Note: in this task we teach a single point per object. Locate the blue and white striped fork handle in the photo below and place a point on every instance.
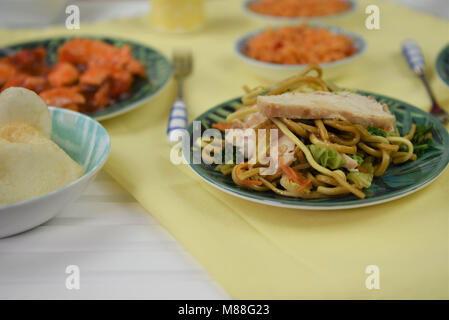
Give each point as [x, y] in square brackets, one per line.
[177, 122]
[413, 55]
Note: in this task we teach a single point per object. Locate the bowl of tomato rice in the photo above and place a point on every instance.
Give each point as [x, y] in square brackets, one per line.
[281, 12]
[277, 53]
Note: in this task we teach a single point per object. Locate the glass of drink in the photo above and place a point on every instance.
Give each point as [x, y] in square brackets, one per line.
[177, 16]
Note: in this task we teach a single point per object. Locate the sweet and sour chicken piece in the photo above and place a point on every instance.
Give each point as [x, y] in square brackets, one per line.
[62, 97]
[63, 74]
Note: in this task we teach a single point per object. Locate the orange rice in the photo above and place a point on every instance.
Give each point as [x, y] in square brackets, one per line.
[299, 45]
[299, 8]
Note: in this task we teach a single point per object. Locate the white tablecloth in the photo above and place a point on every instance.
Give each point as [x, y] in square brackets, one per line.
[121, 251]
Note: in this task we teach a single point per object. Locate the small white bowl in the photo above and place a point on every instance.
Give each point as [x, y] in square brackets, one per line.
[85, 141]
[277, 71]
[279, 21]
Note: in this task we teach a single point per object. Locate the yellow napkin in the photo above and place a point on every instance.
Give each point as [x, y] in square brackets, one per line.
[256, 251]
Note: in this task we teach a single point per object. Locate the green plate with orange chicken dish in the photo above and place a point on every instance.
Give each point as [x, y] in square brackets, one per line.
[305, 143]
[98, 76]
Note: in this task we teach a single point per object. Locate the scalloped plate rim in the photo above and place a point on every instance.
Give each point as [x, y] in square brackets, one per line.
[317, 207]
[357, 203]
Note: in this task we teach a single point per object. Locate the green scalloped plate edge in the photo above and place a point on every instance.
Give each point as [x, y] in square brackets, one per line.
[158, 68]
[337, 203]
[442, 65]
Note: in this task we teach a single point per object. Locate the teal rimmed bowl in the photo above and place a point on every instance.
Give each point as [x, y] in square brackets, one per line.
[85, 141]
[277, 71]
[280, 20]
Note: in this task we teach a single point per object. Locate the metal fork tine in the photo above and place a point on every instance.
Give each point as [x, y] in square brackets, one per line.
[182, 63]
[182, 67]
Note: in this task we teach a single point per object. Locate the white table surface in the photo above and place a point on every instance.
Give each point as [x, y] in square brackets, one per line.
[121, 250]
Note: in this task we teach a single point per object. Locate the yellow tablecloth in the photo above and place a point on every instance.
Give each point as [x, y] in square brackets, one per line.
[255, 251]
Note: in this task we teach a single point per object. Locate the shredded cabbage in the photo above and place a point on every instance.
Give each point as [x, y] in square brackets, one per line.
[367, 164]
[357, 157]
[327, 157]
[224, 168]
[360, 179]
[376, 131]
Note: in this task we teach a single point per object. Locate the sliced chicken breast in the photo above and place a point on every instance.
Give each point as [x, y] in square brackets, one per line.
[348, 106]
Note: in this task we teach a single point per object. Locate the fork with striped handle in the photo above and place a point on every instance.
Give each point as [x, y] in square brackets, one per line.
[415, 59]
[177, 123]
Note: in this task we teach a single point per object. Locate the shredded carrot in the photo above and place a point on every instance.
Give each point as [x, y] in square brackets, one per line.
[247, 181]
[362, 169]
[301, 188]
[299, 8]
[299, 45]
[295, 176]
[300, 155]
[221, 126]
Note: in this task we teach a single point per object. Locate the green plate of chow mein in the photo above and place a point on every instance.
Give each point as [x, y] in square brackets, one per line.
[335, 148]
